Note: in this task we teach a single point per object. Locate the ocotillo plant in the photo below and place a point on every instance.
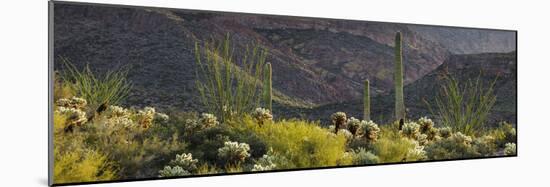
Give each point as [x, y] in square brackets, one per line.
[398, 79]
[268, 93]
[366, 102]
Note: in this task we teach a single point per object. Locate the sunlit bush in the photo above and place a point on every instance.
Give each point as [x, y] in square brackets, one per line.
[185, 161]
[456, 146]
[266, 162]
[485, 145]
[503, 134]
[175, 171]
[445, 132]
[339, 120]
[79, 165]
[234, 152]
[393, 147]
[510, 149]
[299, 144]
[411, 130]
[262, 115]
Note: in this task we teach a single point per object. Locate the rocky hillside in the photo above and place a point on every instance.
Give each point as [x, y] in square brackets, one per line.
[487, 66]
[315, 61]
[469, 41]
[319, 64]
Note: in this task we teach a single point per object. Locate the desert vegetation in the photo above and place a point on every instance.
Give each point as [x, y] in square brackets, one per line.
[97, 138]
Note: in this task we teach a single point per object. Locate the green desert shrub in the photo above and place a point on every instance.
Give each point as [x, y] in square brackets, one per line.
[74, 161]
[124, 134]
[229, 87]
[503, 134]
[455, 146]
[302, 144]
[464, 106]
[392, 147]
[110, 88]
[363, 157]
[79, 165]
[61, 89]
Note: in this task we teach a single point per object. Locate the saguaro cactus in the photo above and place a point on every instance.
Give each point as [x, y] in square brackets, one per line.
[366, 102]
[268, 93]
[398, 79]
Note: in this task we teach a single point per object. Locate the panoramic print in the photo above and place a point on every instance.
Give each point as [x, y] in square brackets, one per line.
[146, 93]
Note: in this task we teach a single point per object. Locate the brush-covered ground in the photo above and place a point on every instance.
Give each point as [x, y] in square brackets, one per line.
[110, 142]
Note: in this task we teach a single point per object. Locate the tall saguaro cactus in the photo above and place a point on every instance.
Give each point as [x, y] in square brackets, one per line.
[398, 79]
[366, 102]
[268, 93]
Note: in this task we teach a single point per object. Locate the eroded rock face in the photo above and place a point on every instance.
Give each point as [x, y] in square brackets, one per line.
[469, 41]
[314, 61]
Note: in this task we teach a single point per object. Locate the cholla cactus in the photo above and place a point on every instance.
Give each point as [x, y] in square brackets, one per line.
[425, 124]
[173, 172]
[265, 163]
[371, 130]
[510, 149]
[74, 102]
[161, 117]
[262, 115]
[234, 151]
[485, 145]
[116, 111]
[346, 134]
[338, 120]
[75, 116]
[354, 126]
[185, 161]
[461, 138]
[120, 121]
[417, 152]
[207, 120]
[445, 132]
[145, 117]
[411, 130]
[422, 139]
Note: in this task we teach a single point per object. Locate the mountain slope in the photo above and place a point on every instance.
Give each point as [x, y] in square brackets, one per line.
[315, 61]
[491, 66]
